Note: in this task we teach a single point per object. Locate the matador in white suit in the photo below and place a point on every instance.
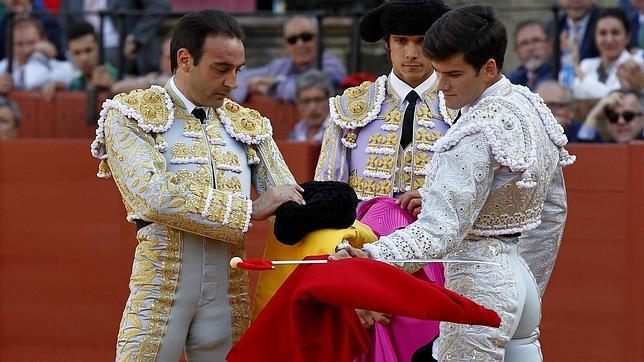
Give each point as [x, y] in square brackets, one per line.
[495, 179]
[184, 158]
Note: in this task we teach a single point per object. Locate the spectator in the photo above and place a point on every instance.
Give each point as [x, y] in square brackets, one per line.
[313, 90]
[620, 114]
[533, 47]
[577, 26]
[25, 9]
[561, 102]
[9, 118]
[277, 79]
[615, 68]
[83, 49]
[145, 81]
[140, 45]
[32, 66]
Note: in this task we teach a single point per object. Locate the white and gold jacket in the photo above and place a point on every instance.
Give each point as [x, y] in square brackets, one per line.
[187, 177]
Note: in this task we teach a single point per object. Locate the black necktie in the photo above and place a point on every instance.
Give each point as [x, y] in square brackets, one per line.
[200, 113]
[408, 119]
[458, 115]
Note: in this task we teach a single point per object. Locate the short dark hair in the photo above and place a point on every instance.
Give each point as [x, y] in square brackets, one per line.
[472, 30]
[530, 22]
[79, 30]
[192, 30]
[618, 14]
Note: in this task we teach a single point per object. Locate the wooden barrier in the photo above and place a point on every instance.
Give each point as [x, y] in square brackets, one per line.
[66, 115]
[66, 253]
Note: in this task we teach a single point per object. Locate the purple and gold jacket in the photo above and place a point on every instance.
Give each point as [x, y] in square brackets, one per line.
[361, 145]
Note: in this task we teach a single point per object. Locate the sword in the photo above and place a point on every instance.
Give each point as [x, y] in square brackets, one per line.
[261, 264]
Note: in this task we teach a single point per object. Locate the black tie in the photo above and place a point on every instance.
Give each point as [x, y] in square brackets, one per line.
[408, 119]
[458, 115]
[200, 113]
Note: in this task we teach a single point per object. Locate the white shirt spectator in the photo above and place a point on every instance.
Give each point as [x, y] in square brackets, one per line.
[39, 71]
[590, 87]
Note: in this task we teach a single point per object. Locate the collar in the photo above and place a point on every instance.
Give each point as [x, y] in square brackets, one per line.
[186, 102]
[401, 88]
[582, 23]
[488, 92]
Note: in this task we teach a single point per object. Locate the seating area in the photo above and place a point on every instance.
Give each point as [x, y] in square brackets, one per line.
[66, 116]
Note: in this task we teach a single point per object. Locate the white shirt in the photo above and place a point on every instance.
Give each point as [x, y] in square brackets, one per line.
[402, 89]
[487, 92]
[590, 87]
[110, 34]
[38, 71]
[186, 102]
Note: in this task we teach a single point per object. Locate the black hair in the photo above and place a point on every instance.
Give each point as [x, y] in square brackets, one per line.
[472, 30]
[618, 14]
[192, 30]
[79, 30]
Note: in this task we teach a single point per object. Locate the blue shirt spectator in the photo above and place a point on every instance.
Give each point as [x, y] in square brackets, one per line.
[277, 79]
[533, 48]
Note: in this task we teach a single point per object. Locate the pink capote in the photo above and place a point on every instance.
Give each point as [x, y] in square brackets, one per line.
[397, 341]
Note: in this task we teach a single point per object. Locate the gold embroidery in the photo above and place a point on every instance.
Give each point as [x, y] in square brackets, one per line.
[149, 103]
[422, 158]
[358, 107]
[238, 293]
[228, 158]
[423, 112]
[181, 151]
[192, 126]
[419, 182]
[424, 137]
[393, 117]
[246, 121]
[154, 281]
[232, 184]
[369, 188]
[214, 135]
[380, 164]
[351, 136]
[377, 140]
[200, 150]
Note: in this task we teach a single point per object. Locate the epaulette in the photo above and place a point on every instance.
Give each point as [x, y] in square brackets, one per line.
[151, 108]
[246, 125]
[358, 106]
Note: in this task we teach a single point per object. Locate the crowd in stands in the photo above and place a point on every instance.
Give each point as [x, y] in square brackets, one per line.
[596, 95]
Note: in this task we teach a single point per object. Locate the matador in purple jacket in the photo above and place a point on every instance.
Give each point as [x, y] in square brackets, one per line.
[381, 133]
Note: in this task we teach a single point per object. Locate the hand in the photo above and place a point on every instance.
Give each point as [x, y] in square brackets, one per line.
[597, 115]
[411, 201]
[261, 85]
[630, 75]
[49, 90]
[46, 48]
[369, 318]
[131, 48]
[101, 78]
[6, 83]
[266, 204]
[349, 252]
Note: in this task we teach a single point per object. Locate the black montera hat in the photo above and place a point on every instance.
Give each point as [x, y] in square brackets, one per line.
[412, 17]
[329, 205]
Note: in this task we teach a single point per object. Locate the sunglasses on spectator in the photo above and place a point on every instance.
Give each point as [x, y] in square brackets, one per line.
[306, 37]
[613, 117]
